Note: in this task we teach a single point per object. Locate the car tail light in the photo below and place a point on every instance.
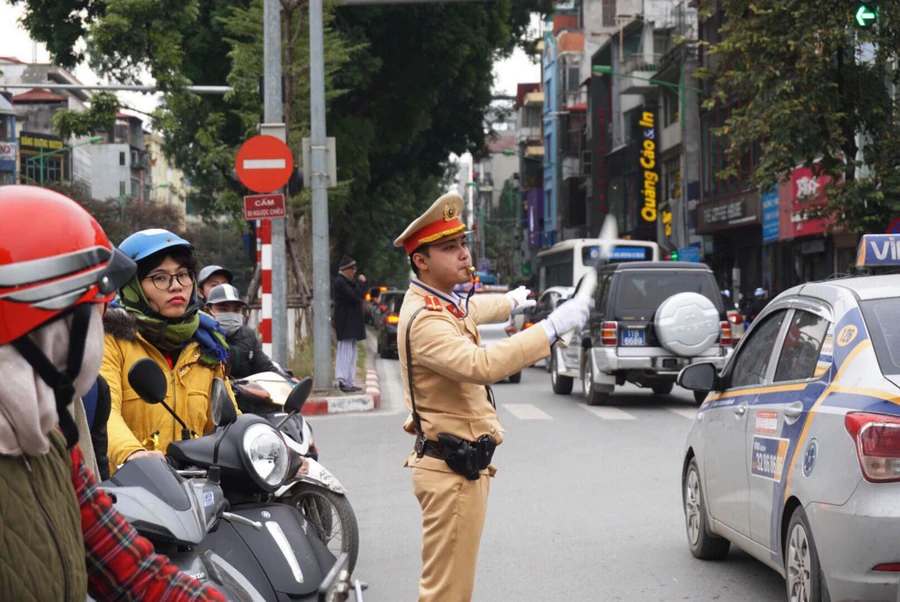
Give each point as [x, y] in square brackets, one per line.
[877, 438]
[368, 296]
[510, 330]
[736, 318]
[608, 332]
[382, 288]
[527, 325]
[392, 319]
[888, 567]
[382, 307]
[725, 330]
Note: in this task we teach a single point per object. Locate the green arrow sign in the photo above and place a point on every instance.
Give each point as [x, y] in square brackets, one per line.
[863, 15]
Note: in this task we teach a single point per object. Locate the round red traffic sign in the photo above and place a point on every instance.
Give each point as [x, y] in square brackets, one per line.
[264, 164]
[894, 226]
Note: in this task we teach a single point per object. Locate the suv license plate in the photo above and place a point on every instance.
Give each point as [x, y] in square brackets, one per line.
[633, 338]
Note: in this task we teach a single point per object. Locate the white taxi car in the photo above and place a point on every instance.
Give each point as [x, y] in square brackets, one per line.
[795, 454]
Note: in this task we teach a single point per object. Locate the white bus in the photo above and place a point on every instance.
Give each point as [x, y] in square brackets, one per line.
[564, 263]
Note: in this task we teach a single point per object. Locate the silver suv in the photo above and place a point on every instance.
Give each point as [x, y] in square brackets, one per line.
[650, 320]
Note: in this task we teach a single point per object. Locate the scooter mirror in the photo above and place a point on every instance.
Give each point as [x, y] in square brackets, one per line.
[221, 407]
[148, 381]
[298, 395]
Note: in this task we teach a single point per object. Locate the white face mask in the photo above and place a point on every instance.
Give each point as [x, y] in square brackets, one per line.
[230, 322]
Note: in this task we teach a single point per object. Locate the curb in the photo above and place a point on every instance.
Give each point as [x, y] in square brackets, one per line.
[364, 402]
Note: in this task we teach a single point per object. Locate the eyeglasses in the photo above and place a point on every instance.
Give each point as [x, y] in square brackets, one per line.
[164, 281]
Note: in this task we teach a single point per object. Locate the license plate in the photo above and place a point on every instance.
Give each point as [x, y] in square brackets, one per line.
[633, 338]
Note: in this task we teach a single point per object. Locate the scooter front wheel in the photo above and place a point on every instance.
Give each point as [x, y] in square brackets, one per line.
[332, 517]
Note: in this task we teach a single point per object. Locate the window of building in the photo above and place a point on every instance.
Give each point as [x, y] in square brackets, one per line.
[669, 106]
[122, 158]
[609, 13]
[573, 85]
[531, 118]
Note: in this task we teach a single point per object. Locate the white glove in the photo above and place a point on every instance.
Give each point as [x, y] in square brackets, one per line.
[518, 299]
[571, 315]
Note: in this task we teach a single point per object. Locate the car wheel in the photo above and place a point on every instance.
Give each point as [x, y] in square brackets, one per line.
[803, 575]
[700, 397]
[562, 385]
[663, 388]
[515, 378]
[384, 352]
[592, 397]
[703, 545]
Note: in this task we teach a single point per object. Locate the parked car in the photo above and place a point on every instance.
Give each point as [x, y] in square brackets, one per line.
[649, 320]
[385, 318]
[795, 455]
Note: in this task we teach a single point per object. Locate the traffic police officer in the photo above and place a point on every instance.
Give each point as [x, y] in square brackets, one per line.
[446, 377]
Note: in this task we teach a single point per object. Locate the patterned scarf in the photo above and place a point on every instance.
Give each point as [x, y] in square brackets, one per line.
[170, 334]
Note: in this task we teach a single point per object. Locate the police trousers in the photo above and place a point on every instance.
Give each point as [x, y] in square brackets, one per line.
[453, 511]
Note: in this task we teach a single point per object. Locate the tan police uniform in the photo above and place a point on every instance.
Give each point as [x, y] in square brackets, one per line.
[450, 371]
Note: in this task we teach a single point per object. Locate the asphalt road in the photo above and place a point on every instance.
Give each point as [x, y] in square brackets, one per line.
[586, 504]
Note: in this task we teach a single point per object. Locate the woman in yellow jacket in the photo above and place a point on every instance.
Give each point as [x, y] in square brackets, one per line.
[157, 315]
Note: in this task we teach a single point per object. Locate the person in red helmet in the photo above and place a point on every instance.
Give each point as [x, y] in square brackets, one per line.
[57, 272]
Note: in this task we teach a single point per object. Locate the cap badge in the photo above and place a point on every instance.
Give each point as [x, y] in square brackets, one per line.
[449, 213]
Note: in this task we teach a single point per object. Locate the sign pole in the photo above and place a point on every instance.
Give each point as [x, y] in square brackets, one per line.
[319, 184]
[265, 323]
[274, 113]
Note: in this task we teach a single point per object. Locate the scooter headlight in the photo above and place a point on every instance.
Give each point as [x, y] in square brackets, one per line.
[266, 454]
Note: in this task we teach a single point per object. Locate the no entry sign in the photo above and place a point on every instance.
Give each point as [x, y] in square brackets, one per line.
[263, 206]
[264, 164]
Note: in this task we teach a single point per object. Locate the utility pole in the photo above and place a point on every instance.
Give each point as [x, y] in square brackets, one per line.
[274, 114]
[319, 185]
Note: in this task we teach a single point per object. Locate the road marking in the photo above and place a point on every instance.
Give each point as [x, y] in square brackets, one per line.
[607, 413]
[689, 413]
[526, 411]
[264, 163]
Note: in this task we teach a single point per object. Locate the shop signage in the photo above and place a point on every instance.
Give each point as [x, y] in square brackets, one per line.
[7, 151]
[38, 141]
[647, 160]
[804, 192]
[770, 207]
[737, 211]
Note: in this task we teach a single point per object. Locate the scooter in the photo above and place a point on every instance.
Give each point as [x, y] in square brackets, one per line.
[248, 459]
[317, 494]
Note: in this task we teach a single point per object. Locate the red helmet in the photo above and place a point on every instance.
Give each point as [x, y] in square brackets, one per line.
[53, 257]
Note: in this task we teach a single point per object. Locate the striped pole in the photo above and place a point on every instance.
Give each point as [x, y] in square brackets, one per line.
[259, 255]
[265, 325]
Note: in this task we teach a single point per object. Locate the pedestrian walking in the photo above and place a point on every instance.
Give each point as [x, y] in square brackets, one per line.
[447, 377]
[349, 293]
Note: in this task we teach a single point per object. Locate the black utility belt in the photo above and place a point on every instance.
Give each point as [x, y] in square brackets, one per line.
[466, 458]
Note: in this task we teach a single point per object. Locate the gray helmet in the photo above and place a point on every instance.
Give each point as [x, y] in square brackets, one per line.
[209, 270]
[224, 293]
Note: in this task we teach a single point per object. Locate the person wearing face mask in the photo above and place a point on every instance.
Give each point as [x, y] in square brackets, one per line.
[245, 354]
[60, 535]
[158, 316]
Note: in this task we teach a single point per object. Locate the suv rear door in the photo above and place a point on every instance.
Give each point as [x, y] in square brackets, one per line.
[638, 293]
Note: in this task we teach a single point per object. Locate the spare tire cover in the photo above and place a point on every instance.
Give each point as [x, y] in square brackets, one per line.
[687, 324]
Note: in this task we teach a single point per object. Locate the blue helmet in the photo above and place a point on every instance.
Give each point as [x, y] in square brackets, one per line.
[144, 243]
[759, 293]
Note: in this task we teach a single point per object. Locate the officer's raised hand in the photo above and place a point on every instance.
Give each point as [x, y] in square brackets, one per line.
[570, 315]
[519, 300]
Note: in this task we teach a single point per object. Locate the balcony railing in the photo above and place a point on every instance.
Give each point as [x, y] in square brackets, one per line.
[642, 62]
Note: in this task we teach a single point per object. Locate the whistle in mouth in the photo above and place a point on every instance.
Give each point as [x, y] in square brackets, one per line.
[470, 269]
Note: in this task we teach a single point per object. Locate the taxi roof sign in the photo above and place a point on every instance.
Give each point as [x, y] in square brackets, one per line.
[878, 250]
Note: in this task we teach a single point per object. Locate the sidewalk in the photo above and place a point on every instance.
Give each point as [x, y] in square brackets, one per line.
[337, 402]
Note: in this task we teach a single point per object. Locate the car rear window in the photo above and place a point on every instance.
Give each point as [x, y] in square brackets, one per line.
[393, 302]
[882, 318]
[640, 293]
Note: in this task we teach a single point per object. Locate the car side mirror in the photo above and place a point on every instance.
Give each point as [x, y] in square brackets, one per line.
[148, 381]
[221, 407]
[699, 377]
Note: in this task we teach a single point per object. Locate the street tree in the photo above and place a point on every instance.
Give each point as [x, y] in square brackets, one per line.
[814, 84]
